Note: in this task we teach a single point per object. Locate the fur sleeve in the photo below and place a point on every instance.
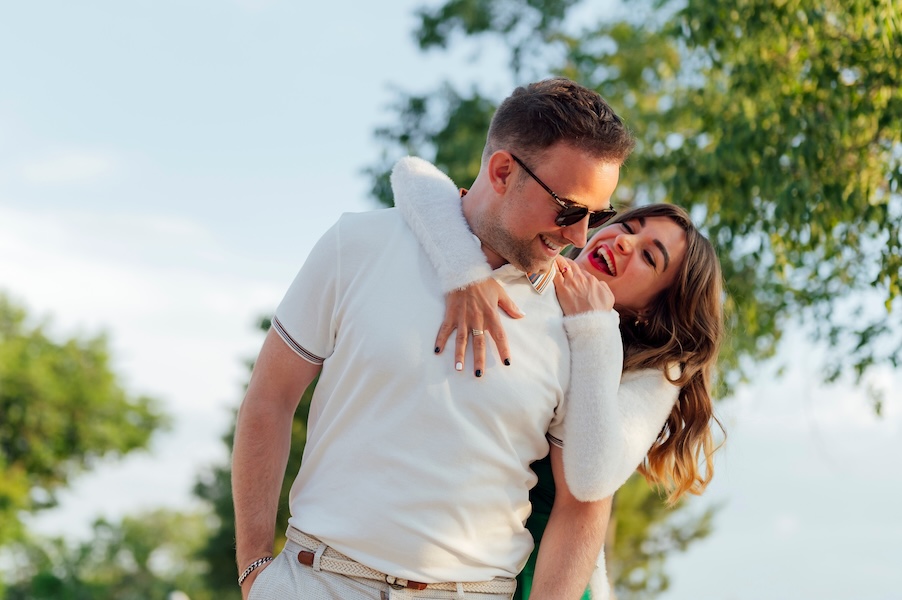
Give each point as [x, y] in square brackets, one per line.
[611, 422]
[599, 587]
[430, 204]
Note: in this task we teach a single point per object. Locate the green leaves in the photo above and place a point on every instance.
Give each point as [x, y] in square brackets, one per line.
[526, 24]
[804, 133]
[447, 126]
[61, 410]
[642, 533]
[149, 555]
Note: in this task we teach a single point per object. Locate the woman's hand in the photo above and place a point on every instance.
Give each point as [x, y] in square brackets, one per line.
[475, 308]
[578, 292]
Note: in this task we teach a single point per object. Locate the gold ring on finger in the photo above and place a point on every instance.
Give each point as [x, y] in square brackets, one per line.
[477, 331]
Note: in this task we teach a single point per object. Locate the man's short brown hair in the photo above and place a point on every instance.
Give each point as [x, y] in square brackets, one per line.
[541, 114]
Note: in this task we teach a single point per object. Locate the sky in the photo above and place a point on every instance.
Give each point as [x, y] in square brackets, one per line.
[166, 166]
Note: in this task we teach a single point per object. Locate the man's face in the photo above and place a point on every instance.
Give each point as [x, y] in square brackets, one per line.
[520, 227]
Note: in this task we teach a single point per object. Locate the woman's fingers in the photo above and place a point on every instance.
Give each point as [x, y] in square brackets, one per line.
[607, 295]
[460, 348]
[472, 313]
[478, 351]
[500, 338]
[578, 292]
[492, 327]
[444, 332]
[455, 312]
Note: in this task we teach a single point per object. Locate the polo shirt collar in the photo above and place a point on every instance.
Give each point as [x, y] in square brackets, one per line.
[540, 282]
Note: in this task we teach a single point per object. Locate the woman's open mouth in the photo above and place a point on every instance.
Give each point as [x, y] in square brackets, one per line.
[603, 260]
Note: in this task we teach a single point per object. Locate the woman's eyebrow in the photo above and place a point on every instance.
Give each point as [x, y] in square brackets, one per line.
[657, 243]
[663, 250]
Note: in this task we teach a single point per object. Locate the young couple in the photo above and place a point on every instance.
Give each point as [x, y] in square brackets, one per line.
[416, 477]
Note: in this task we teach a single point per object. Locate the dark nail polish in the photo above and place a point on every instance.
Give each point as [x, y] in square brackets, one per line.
[507, 362]
[437, 350]
[478, 372]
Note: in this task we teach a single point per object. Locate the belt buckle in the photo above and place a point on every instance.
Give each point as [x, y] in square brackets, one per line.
[394, 583]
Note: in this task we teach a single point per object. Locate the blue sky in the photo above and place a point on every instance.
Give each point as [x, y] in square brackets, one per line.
[166, 166]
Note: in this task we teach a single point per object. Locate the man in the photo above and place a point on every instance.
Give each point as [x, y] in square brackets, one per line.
[415, 478]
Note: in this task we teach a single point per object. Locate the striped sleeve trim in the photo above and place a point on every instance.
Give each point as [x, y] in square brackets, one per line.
[300, 350]
[553, 440]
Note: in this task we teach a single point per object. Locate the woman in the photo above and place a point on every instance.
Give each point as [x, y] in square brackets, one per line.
[662, 276]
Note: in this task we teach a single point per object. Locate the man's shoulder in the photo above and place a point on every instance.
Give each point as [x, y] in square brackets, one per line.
[368, 217]
[371, 231]
[368, 224]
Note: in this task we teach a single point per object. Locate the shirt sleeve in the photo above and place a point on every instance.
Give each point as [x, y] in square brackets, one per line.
[611, 420]
[556, 429]
[305, 319]
[439, 225]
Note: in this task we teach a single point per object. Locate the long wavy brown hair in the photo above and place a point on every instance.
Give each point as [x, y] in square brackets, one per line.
[682, 326]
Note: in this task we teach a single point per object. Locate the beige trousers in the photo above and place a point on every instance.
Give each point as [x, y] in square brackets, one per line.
[285, 578]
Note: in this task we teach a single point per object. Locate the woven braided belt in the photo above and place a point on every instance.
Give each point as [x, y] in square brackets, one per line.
[335, 562]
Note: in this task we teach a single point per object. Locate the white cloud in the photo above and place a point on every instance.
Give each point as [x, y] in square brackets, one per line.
[786, 526]
[800, 403]
[68, 167]
[162, 295]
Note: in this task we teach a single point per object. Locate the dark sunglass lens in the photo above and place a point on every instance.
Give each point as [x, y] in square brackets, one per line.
[571, 215]
[601, 217]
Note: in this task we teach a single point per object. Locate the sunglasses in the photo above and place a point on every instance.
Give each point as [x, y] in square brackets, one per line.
[571, 212]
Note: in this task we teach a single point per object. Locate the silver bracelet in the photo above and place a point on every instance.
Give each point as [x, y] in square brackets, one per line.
[253, 567]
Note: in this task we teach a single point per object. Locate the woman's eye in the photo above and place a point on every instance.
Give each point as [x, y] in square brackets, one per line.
[626, 226]
[650, 259]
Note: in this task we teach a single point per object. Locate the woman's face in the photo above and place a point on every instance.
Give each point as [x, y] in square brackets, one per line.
[637, 258]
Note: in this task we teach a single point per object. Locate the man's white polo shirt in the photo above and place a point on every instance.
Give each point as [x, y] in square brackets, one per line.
[411, 467]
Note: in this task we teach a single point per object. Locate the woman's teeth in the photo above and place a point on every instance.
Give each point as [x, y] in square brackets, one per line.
[609, 263]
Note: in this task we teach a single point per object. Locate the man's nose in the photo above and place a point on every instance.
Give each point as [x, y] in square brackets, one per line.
[578, 233]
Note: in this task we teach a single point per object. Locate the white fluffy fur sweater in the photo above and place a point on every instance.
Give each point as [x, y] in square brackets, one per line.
[612, 417]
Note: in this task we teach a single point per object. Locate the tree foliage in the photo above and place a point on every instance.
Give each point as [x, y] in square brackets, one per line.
[62, 409]
[642, 534]
[778, 124]
[150, 556]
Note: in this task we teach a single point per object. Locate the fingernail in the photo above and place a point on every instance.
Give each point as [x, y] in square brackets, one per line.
[437, 350]
[478, 372]
[459, 366]
[507, 362]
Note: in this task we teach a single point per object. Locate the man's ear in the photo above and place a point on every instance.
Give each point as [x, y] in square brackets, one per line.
[501, 171]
